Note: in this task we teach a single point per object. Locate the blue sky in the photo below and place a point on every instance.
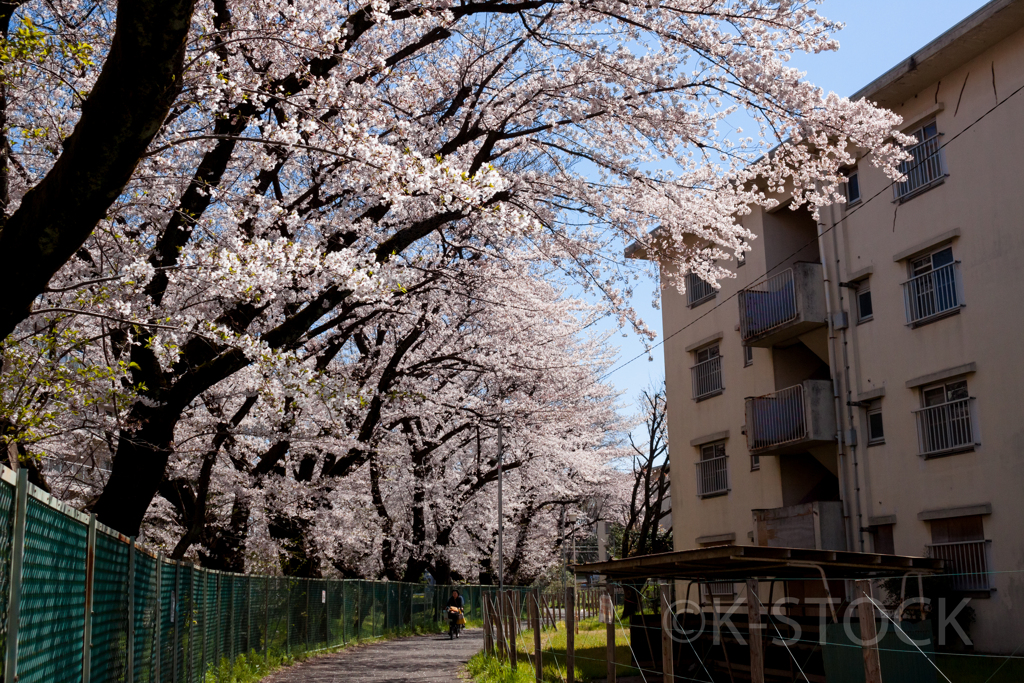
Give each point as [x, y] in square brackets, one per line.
[878, 35]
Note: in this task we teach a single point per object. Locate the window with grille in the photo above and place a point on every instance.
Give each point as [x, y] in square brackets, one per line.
[698, 290]
[707, 372]
[926, 166]
[933, 289]
[712, 470]
[961, 543]
[945, 422]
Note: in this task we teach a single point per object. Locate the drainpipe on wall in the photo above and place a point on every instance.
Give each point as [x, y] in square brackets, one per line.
[849, 394]
[840, 440]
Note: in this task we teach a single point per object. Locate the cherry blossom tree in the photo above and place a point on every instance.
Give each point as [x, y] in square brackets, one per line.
[206, 201]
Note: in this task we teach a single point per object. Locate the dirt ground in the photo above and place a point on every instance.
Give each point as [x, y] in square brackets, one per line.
[406, 660]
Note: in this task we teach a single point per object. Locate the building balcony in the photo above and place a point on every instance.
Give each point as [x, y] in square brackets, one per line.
[785, 306]
[792, 419]
[817, 525]
[713, 477]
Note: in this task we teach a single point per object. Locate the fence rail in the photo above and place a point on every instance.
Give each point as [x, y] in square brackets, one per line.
[80, 602]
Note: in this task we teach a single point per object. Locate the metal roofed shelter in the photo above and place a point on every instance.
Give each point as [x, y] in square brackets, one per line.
[740, 562]
[760, 660]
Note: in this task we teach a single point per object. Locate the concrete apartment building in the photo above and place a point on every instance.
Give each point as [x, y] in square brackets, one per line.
[865, 393]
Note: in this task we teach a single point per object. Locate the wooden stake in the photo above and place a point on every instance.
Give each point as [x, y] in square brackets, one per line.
[488, 634]
[754, 626]
[513, 618]
[570, 640]
[667, 666]
[868, 634]
[611, 638]
[499, 612]
[535, 625]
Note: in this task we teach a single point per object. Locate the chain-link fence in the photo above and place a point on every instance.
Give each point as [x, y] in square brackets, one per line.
[80, 602]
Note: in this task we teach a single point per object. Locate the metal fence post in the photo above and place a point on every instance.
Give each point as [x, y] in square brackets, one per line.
[308, 613]
[288, 619]
[130, 665]
[17, 562]
[266, 617]
[90, 578]
[159, 615]
[220, 626]
[175, 602]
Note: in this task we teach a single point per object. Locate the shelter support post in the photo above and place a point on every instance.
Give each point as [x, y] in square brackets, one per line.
[868, 634]
[754, 626]
[667, 665]
[570, 639]
[535, 625]
[610, 650]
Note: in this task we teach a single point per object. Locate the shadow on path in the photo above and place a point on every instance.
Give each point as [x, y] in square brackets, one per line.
[407, 660]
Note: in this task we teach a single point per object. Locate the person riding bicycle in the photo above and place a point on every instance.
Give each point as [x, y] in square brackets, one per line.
[456, 600]
[454, 607]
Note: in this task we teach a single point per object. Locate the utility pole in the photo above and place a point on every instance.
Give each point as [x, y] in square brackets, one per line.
[501, 520]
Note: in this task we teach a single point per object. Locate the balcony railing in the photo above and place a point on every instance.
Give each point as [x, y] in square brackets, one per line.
[946, 427]
[713, 476]
[776, 419]
[933, 293]
[923, 169]
[768, 305]
[967, 562]
[707, 378]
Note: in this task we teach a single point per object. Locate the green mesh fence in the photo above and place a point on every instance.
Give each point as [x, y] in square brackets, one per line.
[160, 621]
[6, 530]
[110, 606]
[51, 629]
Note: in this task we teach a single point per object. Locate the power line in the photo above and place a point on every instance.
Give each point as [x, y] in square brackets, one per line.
[761, 277]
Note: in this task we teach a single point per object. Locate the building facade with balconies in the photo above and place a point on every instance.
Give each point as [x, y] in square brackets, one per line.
[855, 386]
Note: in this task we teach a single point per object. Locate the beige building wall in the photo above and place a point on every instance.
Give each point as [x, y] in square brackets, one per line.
[888, 488]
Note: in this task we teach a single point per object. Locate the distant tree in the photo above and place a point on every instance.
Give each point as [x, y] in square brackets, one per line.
[641, 534]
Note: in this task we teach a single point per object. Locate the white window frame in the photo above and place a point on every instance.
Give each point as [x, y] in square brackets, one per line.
[864, 287]
[874, 409]
[852, 173]
[748, 356]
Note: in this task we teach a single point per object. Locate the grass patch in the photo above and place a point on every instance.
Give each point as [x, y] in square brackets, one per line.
[591, 656]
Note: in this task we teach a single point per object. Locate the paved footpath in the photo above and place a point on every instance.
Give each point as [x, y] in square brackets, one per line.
[426, 659]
